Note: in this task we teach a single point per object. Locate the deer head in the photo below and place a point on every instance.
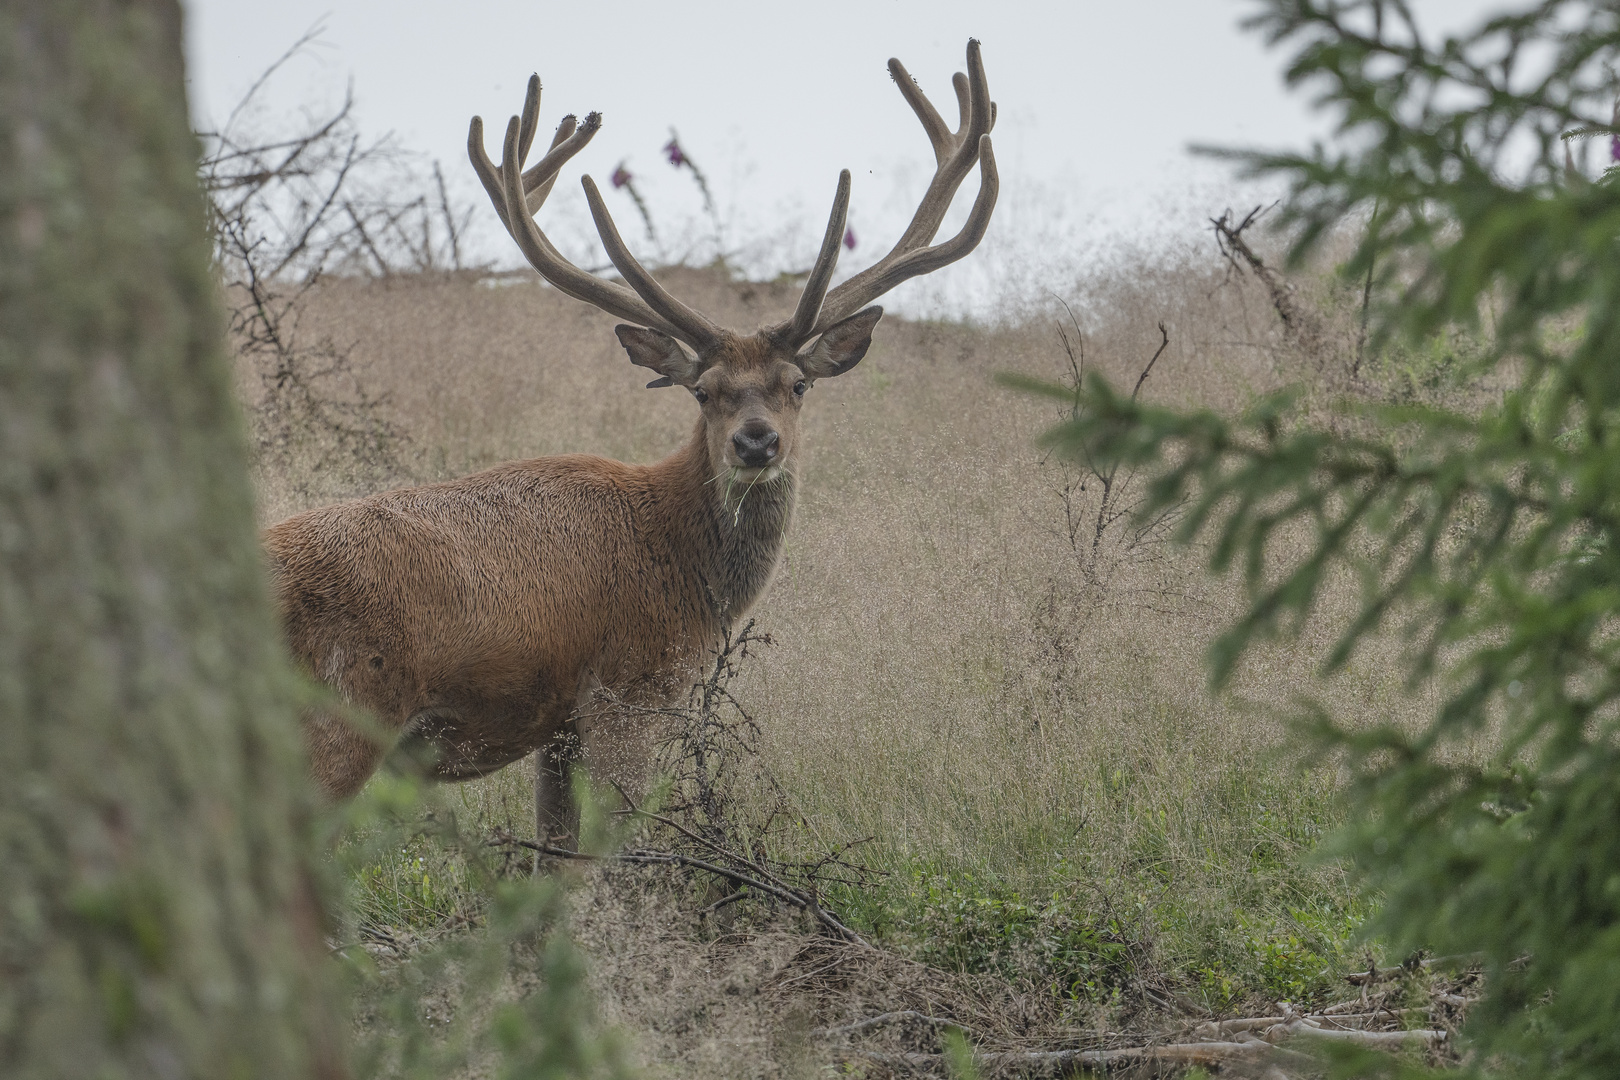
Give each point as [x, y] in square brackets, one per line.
[749, 387]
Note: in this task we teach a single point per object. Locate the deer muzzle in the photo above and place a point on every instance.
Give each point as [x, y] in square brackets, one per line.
[756, 444]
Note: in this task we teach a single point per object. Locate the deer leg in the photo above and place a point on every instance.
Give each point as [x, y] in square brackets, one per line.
[341, 759]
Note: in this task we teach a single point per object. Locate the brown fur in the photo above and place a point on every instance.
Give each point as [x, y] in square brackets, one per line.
[479, 614]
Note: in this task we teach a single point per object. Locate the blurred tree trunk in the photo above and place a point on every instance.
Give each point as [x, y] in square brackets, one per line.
[157, 910]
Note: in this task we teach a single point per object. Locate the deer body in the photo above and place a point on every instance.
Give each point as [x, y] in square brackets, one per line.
[476, 613]
[479, 616]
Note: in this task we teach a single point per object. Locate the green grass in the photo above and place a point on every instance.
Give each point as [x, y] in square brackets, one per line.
[1223, 903]
[1223, 917]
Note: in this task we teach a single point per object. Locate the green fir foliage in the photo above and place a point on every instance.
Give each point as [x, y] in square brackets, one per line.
[1486, 533]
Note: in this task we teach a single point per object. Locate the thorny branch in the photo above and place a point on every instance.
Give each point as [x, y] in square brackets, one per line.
[709, 751]
[287, 210]
[322, 198]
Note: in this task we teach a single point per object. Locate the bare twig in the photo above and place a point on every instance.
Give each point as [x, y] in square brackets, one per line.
[1374, 974]
[1112, 507]
[674, 858]
[324, 198]
[287, 211]
[729, 898]
[1164, 343]
[709, 751]
[1302, 326]
[719, 850]
[454, 226]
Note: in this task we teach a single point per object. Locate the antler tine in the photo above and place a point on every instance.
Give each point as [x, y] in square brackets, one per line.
[570, 139]
[815, 286]
[938, 134]
[531, 117]
[964, 100]
[955, 154]
[695, 330]
[488, 174]
[562, 274]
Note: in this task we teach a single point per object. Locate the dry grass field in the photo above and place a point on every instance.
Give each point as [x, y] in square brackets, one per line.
[1074, 834]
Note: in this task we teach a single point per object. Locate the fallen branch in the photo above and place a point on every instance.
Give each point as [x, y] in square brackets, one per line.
[670, 858]
[1344, 1006]
[887, 1018]
[756, 869]
[1382, 1039]
[1257, 1041]
[1193, 1054]
[1219, 1028]
[1064, 1062]
[1386, 1014]
[1326, 1019]
[1377, 975]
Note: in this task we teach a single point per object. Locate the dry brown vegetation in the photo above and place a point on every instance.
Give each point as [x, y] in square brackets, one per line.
[1078, 838]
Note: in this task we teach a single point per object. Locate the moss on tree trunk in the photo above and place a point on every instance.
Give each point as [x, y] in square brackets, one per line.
[157, 914]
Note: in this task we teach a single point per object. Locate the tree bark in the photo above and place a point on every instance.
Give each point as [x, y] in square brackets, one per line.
[158, 916]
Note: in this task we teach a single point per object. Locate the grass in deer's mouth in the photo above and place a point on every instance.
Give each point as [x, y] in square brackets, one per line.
[738, 479]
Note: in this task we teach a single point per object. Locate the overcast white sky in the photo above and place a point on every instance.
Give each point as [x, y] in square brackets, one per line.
[1098, 101]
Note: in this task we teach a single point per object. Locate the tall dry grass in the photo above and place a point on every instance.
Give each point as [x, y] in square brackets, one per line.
[1026, 737]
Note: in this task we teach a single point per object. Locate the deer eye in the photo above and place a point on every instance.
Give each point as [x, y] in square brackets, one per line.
[701, 394]
[799, 388]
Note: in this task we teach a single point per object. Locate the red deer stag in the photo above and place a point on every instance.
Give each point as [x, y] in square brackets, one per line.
[476, 616]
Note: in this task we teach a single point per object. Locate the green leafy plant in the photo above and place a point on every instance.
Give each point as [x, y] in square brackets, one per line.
[1486, 533]
[971, 926]
[471, 963]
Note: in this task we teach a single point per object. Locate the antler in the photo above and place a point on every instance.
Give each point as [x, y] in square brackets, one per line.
[954, 155]
[802, 326]
[518, 195]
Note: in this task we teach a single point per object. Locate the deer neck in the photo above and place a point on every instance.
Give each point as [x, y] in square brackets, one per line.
[734, 530]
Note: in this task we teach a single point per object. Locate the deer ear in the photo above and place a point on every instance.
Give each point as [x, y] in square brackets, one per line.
[662, 353]
[842, 346]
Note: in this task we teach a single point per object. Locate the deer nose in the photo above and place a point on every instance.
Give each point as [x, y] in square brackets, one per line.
[756, 444]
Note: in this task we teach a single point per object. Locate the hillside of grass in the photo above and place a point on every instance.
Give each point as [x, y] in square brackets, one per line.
[983, 673]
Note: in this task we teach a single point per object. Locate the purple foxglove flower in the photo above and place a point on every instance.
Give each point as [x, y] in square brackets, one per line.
[677, 157]
[621, 175]
[849, 238]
